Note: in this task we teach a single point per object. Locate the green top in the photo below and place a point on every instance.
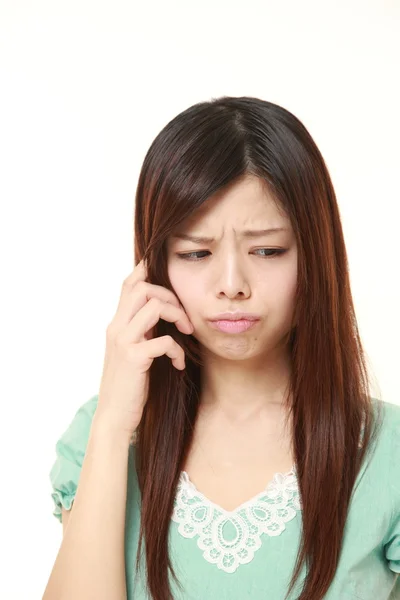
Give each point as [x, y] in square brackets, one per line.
[252, 555]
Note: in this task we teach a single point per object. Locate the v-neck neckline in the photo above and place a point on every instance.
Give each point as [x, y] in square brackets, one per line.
[278, 478]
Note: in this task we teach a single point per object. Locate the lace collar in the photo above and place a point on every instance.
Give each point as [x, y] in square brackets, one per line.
[265, 513]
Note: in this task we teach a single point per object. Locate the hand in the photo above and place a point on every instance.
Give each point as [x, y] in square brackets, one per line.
[131, 349]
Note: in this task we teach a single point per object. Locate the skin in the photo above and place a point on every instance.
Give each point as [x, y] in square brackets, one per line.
[245, 374]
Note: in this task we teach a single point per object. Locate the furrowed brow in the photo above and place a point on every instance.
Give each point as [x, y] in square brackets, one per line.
[246, 234]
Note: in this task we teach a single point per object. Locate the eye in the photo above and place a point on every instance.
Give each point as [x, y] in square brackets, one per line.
[188, 255]
[274, 252]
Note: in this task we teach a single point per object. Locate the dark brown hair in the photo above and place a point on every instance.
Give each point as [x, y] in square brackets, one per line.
[206, 147]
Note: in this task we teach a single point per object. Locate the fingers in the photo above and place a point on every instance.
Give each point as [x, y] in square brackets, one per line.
[150, 302]
[152, 311]
[163, 345]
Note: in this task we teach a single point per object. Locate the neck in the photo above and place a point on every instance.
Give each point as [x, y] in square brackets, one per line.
[244, 390]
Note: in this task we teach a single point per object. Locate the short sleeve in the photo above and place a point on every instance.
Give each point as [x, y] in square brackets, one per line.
[392, 539]
[392, 547]
[70, 451]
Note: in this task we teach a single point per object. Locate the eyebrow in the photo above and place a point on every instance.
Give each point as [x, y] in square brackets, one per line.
[249, 233]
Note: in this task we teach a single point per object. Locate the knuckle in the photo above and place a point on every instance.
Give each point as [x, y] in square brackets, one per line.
[141, 286]
[111, 331]
[154, 302]
[131, 354]
[120, 339]
[127, 283]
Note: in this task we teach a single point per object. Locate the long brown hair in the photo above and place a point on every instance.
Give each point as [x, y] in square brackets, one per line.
[206, 147]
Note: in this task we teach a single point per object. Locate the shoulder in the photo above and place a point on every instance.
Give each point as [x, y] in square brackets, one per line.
[76, 434]
[87, 409]
[392, 423]
[392, 411]
[384, 443]
[390, 417]
[386, 429]
[388, 455]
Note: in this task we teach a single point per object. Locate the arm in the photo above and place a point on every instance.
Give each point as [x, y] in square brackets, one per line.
[65, 518]
[90, 564]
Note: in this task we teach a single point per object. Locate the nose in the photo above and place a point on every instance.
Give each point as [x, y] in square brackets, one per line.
[231, 279]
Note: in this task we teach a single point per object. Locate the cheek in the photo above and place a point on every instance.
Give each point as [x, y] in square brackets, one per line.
[288, 289]
[287, 279]
[191, 295]
[186, 289]
[287, 298]
[281, 290]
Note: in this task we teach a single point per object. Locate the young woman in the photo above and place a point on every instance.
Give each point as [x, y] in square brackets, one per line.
[233, 449]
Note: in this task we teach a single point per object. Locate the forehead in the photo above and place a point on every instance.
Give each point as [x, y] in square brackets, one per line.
[240, 206]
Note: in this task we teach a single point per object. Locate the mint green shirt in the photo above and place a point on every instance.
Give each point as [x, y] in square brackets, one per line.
[255, 557]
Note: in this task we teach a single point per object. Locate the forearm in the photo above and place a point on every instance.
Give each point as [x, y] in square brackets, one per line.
[90, 564]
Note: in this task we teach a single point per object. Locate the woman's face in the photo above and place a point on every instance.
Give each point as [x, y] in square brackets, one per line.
[236, 272]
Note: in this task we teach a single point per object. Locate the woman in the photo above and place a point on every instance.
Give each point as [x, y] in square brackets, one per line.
[233, 449]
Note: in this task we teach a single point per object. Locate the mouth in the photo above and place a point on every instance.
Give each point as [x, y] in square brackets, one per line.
[234, 326]
[235, 316]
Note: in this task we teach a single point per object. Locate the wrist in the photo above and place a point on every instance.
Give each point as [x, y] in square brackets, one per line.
[105, 431]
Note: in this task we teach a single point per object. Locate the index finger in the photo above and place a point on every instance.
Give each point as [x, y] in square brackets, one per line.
[139, 273]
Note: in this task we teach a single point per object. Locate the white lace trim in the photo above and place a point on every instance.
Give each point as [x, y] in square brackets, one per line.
[265, 513]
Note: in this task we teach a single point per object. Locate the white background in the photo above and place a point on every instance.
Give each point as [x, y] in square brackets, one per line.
[85, 88]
